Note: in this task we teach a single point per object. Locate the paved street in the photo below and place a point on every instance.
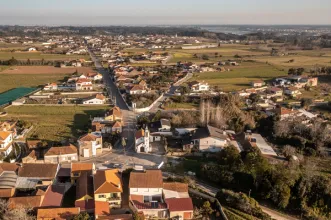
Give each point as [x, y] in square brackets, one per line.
[129, 118]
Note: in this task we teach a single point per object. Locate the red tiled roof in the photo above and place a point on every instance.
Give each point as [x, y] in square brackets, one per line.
[71, 149]
[179, 204]
[81, 167]
[88, 137]
[53, 196]
[140, 133]
[175, 186]
[101, 208]
[147, 179]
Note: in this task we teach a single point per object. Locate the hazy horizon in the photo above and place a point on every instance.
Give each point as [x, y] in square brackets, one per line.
[171, 12]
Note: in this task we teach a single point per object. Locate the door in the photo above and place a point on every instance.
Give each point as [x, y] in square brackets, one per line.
[142, 149]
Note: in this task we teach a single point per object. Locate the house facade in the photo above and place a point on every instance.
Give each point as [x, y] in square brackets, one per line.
[98, 99]
[146, 193]
[199, 87]
[108, 187]
[6, 142]
[114, 114]
[210, 139]
[61, 154]
[90, 144]
[84, 84]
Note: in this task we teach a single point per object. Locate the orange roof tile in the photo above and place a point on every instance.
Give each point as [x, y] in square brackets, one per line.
[89, 137]
[71, 149]
[106, 181]
[76, 167]
[25, 202]
[4, 135]
[140, 133]
[176, 186]
[101, 208]
[147, 179]
[57, 213]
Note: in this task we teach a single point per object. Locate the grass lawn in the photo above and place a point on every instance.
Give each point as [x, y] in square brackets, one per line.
[11, 81]
[39, 56]
[55, 123]
[240, 76]
[181, 106]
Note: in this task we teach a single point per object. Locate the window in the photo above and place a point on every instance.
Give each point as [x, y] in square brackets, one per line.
[101, 196]
[135, 190]
[146, 190]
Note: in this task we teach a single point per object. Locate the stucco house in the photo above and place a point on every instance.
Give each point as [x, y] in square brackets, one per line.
[98, 99]
[84, 84]
[51, 87]
[210, 139]
[108, 187]
[90, 144]
[257, 83]
[146, 193]
[196, 86]
[114, 114]
[6, 142]
[61, 154]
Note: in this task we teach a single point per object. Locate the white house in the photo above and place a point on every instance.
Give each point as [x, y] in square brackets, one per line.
[292, 91]
[256, 140]
[90, 144]
[146, 188]
[84, 84]
[257, 83]
[142, 141]
[137, 89]
[6, 142]
[199, 87]
[98, 99]
[51, 87]
[210, 139]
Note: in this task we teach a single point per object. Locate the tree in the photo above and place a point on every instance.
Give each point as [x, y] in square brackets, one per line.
[16, 213]
[137, 216]
[205, 57]
[306, 102]
[82, 216]
[292, 71]
[206, 209]
[254, 98]
[288, 151]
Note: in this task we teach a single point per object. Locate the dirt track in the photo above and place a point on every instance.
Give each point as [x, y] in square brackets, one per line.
[45, 70]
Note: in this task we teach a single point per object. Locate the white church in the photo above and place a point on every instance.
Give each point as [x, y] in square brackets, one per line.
[142, 141]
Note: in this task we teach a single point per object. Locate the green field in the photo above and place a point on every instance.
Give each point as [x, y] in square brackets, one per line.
[181, 106]
[11, 81]
[55, 123]
[240, 76]
[39, 56]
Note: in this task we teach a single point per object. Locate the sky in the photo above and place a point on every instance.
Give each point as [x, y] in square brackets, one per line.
[165, 12]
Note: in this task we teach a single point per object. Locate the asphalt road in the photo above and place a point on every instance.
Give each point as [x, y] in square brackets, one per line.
[129, 117]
